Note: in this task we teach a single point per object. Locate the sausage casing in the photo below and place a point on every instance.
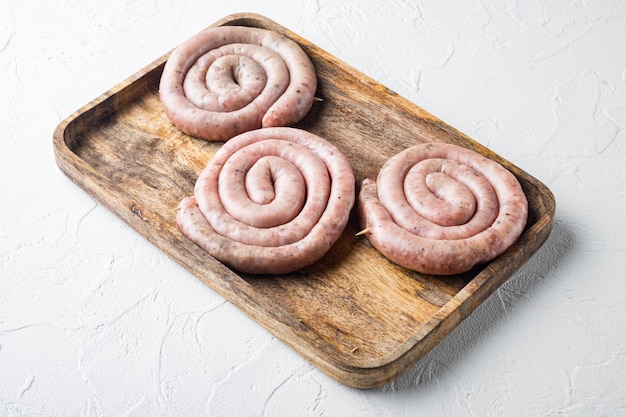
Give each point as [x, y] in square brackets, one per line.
[230, 79]
[441, 209]
[240, 232]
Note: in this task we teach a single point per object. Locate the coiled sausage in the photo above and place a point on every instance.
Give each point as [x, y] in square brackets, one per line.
[441, 209]
[271, 200]
[230, 79]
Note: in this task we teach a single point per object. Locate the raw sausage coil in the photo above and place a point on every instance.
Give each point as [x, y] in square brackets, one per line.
[230, 79]
[271, 200]
[441, 209]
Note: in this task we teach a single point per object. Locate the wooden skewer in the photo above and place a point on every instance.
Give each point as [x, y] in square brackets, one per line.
[364, 231]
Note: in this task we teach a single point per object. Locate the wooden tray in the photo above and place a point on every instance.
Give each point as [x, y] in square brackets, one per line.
[355, 315]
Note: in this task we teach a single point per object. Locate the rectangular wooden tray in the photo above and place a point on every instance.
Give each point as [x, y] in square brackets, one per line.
[356, 316]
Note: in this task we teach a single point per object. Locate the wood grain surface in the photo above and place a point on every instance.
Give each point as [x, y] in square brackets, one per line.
[355, 315]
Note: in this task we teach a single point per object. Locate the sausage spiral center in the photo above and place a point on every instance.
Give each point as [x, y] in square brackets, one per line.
[227, 80]
[271, 200]
[441, 209]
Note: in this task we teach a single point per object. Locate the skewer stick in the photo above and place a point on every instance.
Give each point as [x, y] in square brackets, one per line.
[364, 231]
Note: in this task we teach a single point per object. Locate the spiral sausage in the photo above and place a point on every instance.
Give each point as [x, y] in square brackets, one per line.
[230, 79]
[441, 209]
[271, 200]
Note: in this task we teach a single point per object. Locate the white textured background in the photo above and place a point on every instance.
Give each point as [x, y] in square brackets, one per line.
[95, 321]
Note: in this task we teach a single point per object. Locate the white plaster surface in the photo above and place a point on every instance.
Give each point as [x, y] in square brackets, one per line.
[96, 321]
